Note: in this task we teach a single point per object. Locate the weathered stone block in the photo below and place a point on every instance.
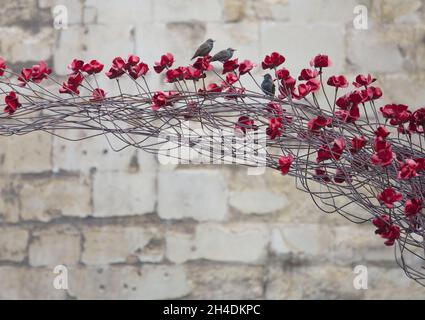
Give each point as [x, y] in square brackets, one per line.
[55, 246]
[13, 244]
[301, 46]
[245, 243]
[124, 282]
[115, 244]
[257, 201]
[223, 281]
[44, 198]
[197, 194]
[317, 282]
[123, 194]
[25, 154]
[184, 10]
[301, 240]
[97, 153]
[22, 283]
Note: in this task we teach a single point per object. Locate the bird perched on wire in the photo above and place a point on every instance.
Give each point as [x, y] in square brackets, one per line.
[223, 55]
[204, 49]
[268, 86]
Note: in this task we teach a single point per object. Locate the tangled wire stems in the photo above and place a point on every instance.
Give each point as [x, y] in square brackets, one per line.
[228, 123]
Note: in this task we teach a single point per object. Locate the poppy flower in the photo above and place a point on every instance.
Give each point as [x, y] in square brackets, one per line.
[421, 164]
[362, 80]
[303, 91]
[212, 87]
[356, 97]
[338, 81]
[203, 63]
[233, 93]
[371, 93]
[138, 70]
[36, 73]
[76, 65]
[350, 99]
[417, 121]
[177, 74]
[412, 207]
[40, 71]
[132, 60]
[285, 163]
[273, 60]
[98, 95]
[166, 61]
[117, 69]
[357, 143]
[313, 85]
[245, 67]
[173, 75]
[321, 61]
[274, 108]
[275, 128]
[388, 196]
[287, 88]
[338, 148]
[193, 74]
[317, 123]
[245, 123]
[407, 169]
[159, 100]
[350, 115]
[392, 234]
[419, 117]
[341, 176]
[282, 74]
[386, 229]
[382, 132]
[12, 103]
[397, 113]
[381, 223]
[383, 155]
[230, 65]
[321, 174]
[389, 110]
[71, 86]
[25, 76]
[307, 74]
[2, 66]
[344, 102]
[191, 110]
[92, 67]
[326, 152]
[231, 78]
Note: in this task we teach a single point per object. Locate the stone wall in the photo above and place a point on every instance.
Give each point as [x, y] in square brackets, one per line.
[127, 227]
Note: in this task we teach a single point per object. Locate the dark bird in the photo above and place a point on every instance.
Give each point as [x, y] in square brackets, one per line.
[204, 49]
[223, 55]
[268, 86]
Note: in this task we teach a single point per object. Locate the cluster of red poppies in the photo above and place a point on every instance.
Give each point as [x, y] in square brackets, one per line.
[232, 68]
[346, 109]
[407, 122]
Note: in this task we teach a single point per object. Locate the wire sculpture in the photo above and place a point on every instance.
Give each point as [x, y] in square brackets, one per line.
[354, 159]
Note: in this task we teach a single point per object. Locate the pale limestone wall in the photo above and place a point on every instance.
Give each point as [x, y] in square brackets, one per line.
[127, 227]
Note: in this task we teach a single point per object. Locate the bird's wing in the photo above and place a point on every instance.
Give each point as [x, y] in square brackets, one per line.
[219, 55]
[202, 48]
